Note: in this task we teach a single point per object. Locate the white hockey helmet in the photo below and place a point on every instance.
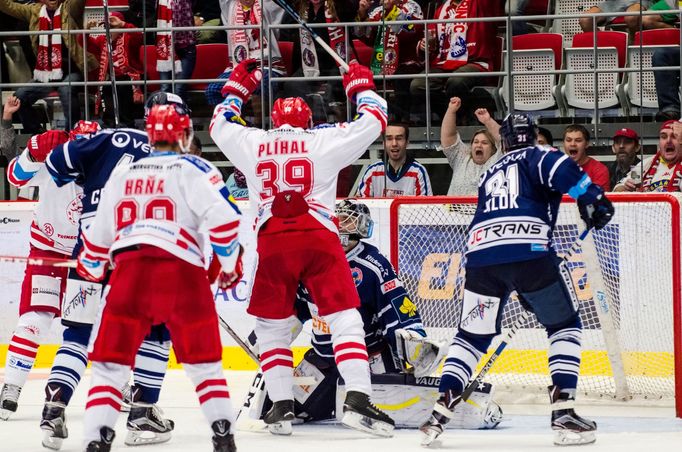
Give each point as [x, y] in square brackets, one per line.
[355, 220]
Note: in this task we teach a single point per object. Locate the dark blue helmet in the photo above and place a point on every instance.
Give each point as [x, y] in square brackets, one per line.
[517, 131]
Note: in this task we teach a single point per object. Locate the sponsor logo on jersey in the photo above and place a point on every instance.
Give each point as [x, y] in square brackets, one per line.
[356, 273]
[8, 220]
[372, 260]
[390, 285]
[74, 209]
[48, 229]
[122, 140]
[408, 307]
[215, 179]
[508, 231]
[45, 291]
[538, 247]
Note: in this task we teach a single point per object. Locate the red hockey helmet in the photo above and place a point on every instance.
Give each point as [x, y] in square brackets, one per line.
[293, 111]
[169, 124]
[84, 129]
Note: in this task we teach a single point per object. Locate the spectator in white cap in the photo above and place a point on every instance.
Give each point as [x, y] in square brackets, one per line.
[626, 147]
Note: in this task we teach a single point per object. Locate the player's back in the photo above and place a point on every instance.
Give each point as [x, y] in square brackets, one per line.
[91, 161]
[155, 201]
[518, 201]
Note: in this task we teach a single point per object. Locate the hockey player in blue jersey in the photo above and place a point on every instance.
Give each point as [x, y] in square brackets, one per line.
[510, 249]
[89, 162]
[401, 356]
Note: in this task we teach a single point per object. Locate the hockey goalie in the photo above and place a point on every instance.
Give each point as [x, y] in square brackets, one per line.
[402, 358]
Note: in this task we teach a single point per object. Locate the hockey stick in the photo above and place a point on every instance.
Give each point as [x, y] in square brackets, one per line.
[112, 73]
[520, 321]
[294, 15]
[40, 261]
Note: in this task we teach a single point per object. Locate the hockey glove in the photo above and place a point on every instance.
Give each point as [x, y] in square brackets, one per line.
[41, 145]
[596, 214]
[422, 353]
[227, 281]
[244, 80]
[91, 269]
[358, 78]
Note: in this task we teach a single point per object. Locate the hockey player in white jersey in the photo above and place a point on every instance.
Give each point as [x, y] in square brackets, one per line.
[147, 224]
[291, 172]
[522, 192]
[53, 235]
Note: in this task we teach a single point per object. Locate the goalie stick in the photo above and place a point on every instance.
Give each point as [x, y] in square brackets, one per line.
[294, 15]
[520, 321]
[51, 261]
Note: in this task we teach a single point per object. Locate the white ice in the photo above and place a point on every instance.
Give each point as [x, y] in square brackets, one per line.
[621, 429]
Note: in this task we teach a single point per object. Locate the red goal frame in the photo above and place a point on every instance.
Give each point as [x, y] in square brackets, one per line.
[616, 198]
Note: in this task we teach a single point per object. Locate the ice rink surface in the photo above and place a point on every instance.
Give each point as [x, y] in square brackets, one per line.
[621, 428]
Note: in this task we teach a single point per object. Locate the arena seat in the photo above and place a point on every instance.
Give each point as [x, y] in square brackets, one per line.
[211, 62]
[286, 49]
[569, 27]
[534, 53]
[364, 52]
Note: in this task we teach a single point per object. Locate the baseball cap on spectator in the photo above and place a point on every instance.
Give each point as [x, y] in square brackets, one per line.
[117, 14]
[627, 133]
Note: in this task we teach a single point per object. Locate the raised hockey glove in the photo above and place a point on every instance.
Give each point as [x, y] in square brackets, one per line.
[91, 269]
[358, 78]
[595, 212]
[41, 145]
[420, 352]
[244, 80]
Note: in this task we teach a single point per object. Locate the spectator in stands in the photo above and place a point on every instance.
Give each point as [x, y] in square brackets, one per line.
[395, 48]
[127, 67]
[207, 13]
[545, 137]
[59, 56]
[626, 147]
[142, 14]
[401, 175]
[663, 171]
[576, 142]
[8, 137]
[182, 57]
[615, 7]
[469, 161]
[667, 83]
[663, 20]
[458, 48]
[246, 43]
[310, 60]
[518, 8]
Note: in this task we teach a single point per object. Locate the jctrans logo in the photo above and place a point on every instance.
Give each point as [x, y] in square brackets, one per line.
[8, 220]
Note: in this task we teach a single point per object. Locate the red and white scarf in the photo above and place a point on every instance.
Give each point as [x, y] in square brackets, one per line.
[453, 36]
[164, 52]
[672, 184]
[49, 59]
[121, 59]
[241, 47]
[337, 41]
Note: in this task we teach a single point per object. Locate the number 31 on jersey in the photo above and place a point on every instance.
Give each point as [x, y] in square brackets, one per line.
[502, 189]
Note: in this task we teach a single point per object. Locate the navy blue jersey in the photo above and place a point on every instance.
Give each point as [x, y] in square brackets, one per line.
[89, 162]
[384, 304]
[518, 201]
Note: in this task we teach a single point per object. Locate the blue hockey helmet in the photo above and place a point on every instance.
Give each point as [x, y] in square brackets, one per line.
[517, 131]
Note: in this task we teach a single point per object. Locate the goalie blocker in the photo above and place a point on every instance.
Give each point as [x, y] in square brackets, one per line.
[394, 393]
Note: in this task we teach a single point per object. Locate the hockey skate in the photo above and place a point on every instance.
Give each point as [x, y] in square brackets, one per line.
[146, 424]
[127, 398]
[53, 422]
[223, 440]
[9, 398]
[104, 444]
[441, 415]
[279, 417]
[570, 429]
[360, 414]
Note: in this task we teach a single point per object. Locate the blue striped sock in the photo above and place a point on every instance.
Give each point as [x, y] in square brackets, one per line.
[68, 368]
[151, 363]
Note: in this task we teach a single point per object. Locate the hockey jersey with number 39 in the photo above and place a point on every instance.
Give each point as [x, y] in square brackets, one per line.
[518, 201]
[290, 158]
[163, 201]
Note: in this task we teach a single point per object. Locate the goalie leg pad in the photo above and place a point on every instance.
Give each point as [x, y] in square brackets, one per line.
[422, 353]
[316, 402]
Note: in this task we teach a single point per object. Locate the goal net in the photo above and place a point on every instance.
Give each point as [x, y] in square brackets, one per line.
[638, 263]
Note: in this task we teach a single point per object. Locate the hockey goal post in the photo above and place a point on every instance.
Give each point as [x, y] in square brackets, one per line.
[632, 347]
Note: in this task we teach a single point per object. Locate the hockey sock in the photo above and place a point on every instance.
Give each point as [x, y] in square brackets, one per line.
[463, 355]
[23, 346]
[151, 364]
[71, 360]
[276, 358]
[350, 351]
[104, 399]
[564, 355]
[211, 388]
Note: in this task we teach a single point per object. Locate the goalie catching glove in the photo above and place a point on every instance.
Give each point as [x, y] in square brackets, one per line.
[422, 353]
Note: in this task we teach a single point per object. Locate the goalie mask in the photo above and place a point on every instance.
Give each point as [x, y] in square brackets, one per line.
[355, 221]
